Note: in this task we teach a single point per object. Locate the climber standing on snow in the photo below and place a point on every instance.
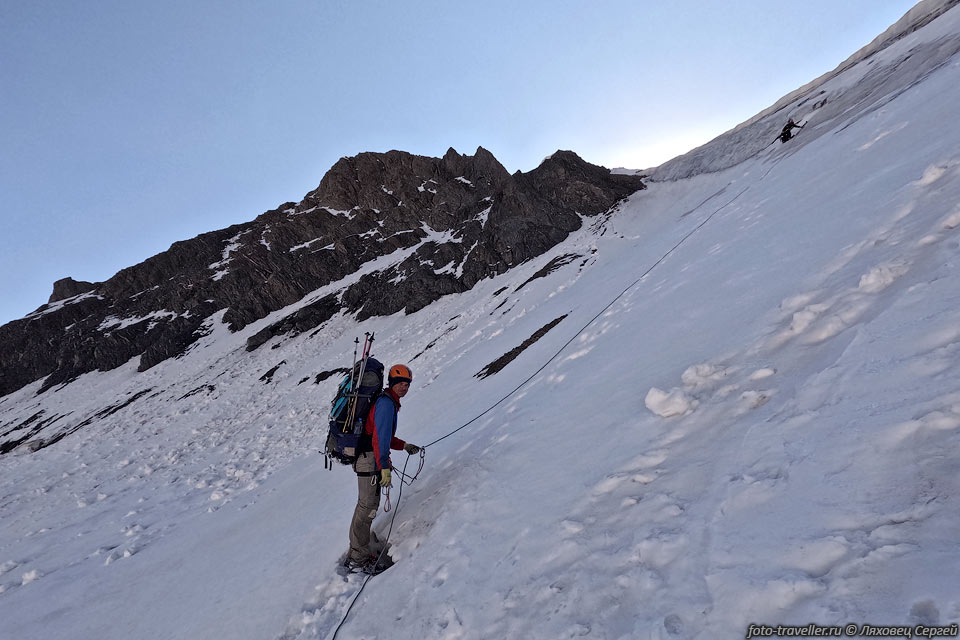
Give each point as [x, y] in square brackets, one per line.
[787, 132]
[373, 467]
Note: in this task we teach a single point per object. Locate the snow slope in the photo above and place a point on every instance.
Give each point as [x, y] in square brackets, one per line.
[875, 74]
[759, 431]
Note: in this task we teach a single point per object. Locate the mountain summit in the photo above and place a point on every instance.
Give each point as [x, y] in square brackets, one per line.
[435, 226]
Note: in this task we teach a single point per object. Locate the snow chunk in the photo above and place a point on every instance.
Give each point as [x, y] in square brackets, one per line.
[881, 277]
[803, 319]
[31, 576]
[755, 399]
[668, 404]
[704, 375]
[463, 180]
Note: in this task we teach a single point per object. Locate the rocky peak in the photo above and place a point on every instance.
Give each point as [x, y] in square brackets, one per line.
[567, 180]
[481, 166]
[68, 288]
[460, 219]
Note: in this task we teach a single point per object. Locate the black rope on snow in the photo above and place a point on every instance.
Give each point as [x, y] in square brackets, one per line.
[382, 551]
[592, 320]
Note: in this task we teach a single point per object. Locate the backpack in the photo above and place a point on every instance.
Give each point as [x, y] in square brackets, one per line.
[346, 439]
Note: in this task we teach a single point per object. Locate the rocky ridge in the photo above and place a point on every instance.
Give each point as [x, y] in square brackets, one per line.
[449, 222]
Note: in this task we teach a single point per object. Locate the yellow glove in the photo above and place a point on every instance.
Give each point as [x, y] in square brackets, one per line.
[411, 448]
[385, 478]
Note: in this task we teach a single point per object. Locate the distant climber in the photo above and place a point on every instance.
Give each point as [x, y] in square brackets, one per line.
[373, 468]
[787, 131]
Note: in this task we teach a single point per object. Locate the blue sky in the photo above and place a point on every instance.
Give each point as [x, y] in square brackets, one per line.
[126, 126]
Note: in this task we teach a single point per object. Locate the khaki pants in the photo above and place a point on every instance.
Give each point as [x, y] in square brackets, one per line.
[368, 502]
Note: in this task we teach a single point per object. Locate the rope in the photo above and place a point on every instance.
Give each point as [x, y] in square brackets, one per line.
[383, 550]
[404, 479]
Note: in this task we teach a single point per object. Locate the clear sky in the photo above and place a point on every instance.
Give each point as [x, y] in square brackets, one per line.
[128, 125]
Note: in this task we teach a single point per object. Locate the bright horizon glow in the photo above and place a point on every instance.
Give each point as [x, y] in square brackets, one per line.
[654, 153]
[127, 126]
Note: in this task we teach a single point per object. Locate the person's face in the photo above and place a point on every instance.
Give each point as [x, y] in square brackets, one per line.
[401, 389]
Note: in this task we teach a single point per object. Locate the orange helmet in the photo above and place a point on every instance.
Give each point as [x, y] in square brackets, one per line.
[399, 373]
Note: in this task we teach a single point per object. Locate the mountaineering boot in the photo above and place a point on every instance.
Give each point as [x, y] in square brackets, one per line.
[369, 565]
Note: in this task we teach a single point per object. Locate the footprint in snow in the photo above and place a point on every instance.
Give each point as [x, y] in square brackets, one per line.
[755, 399]
[817, 558]
[660, 550]
[572, 527]
[673, 623]
[117, 554]
[440, 577]
[646, 461]
[633, 476]
[925, 612]
[952, 221]
[750, 490]
[933, 173]
[947, 419]
[882, 276]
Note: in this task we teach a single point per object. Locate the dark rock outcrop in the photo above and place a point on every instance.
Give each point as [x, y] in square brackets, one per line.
[68, 288]
[438, 226]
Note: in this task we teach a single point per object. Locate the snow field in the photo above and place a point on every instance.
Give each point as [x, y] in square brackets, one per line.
[758, 432]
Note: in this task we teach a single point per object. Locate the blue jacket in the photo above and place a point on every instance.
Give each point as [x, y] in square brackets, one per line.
[381, 426]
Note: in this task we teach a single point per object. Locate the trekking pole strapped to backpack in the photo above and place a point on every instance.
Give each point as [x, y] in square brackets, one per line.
[348, 413]
[352, 409]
